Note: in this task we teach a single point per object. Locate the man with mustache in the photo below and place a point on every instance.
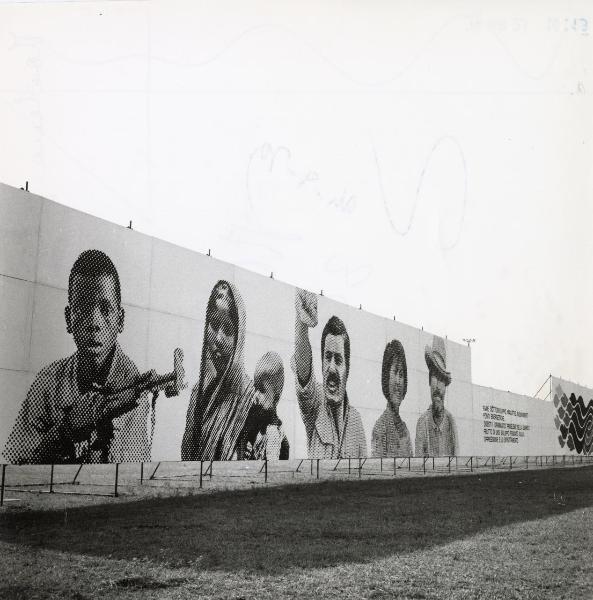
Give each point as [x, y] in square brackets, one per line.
[334, 428]
[435, 431]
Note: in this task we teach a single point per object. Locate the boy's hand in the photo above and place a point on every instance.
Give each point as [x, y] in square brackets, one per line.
[95, 408]
[306, 307]
[117, 405]
[81, 419]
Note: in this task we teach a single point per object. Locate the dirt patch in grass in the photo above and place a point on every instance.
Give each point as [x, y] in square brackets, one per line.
[147, 583]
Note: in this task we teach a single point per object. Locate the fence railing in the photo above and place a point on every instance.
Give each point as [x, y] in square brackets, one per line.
[109, 479]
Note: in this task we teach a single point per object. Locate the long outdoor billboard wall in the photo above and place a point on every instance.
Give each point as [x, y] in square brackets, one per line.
[508, 424]
[120, 347]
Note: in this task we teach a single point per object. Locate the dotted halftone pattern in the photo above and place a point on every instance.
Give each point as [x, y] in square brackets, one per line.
[64, 419]
[263, 436]
[327, 437]
[574, 420]
[232, 415]
[433, 440]
[74, 413]
[391, 437]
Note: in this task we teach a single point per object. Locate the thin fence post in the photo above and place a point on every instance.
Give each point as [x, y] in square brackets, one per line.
[2, 487]
[433, 463]
[266, 469]
[51, 480]
[201, 471]
[211, 468]
[409, 463]
[493, 462]
[359, 468]
[155, 470]
[349, 466]
[471, 464]
[424, 465]
[381, 464]
[317, 468]
[141, 473]
[449, 464]
[116, 478]
[311, 466]
[77, 474]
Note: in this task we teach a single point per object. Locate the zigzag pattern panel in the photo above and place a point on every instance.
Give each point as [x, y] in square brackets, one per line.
[574, 420]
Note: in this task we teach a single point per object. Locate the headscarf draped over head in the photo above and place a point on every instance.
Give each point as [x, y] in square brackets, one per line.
[219, 403]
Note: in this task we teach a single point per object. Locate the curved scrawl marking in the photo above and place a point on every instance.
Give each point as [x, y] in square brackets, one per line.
[404, 228]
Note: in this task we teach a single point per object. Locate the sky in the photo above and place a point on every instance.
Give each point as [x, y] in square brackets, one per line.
[424, 160]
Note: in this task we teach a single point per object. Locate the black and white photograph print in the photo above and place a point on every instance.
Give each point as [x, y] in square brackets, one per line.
[391, 436]
[224, 393]
[334, 427]
[263, 436]
[67, 416]
[436, 432]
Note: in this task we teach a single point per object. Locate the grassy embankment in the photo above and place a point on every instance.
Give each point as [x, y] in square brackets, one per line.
[503, 535]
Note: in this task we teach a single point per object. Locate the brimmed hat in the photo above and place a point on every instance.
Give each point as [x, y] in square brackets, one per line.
[436, 359]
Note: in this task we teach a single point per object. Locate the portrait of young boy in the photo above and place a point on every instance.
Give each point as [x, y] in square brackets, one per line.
[65, 418]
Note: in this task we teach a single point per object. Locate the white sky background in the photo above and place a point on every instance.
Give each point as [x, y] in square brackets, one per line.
[430, 160]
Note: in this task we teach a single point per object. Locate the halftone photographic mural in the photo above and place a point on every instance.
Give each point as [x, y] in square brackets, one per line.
[119, 347]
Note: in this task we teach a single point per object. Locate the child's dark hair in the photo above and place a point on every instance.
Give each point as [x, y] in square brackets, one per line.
[94, 263]
[393, 351]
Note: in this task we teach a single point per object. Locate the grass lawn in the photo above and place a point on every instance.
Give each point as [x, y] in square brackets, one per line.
[520, 534]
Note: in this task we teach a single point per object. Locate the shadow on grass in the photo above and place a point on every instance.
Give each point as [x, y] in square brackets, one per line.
[318, 525]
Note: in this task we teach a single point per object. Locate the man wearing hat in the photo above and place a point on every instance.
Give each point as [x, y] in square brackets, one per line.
[435, 430]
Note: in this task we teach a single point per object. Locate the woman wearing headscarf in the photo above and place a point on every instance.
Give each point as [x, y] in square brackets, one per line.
[390, 433]
[223, 395]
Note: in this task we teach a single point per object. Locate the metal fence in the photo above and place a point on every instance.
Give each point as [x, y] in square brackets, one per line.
[185, 477]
